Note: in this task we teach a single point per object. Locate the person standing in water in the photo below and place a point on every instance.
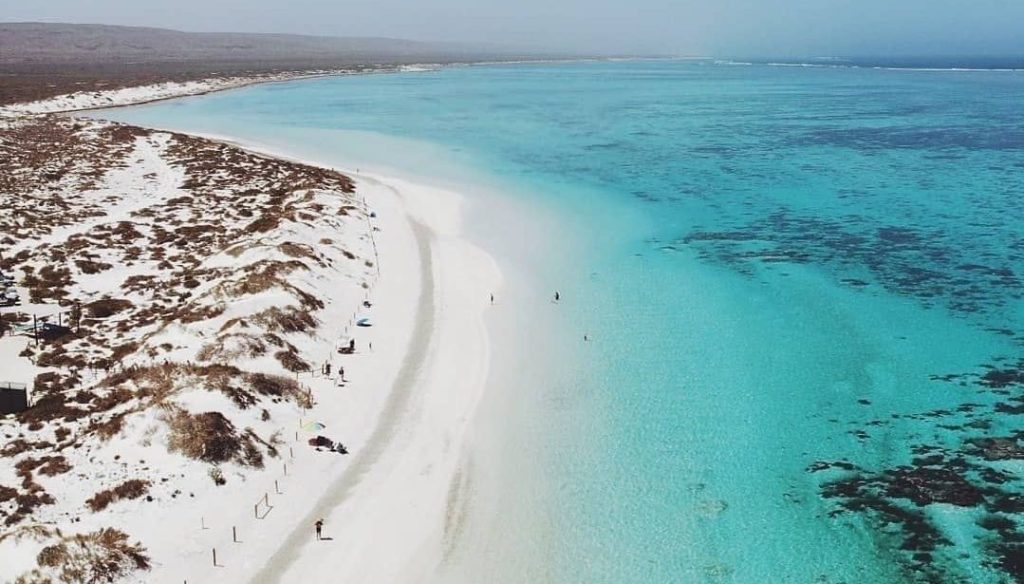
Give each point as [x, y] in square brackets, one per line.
[557, 296]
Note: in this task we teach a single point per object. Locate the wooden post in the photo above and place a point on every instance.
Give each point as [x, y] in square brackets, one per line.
[286, 469]
[214, 556]
[234, 534]
[256, 510]
[277, 490]
[202, 523]
[291, 453]
[35, 332]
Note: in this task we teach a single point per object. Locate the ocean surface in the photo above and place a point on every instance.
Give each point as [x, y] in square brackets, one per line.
[801, 289]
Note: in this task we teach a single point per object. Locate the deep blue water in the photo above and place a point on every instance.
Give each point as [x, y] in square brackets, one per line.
[802, 285]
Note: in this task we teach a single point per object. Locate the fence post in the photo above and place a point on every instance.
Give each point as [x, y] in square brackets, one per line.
[234, 534]
[276, 489]
[214, 556]
[256, 510]
[286, 469]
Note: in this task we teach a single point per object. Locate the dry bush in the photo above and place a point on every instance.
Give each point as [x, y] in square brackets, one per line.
[54, 465]
[110, 400]
[122, 351]
[209, 436]
[106, 307]
[92, 267]
[55, 352]
[263, 276]
[47, 466]
[232, 346]
[50, 283]
[108, 429]
[131, 489]
[296, 250]
[267, 222]
[49, 408]
[155, 383]
[92, 558]
[286, 320]
[274, 385]
[291, 361]
[54, 382]
[16, 447]
[7, 494]
[195, 313]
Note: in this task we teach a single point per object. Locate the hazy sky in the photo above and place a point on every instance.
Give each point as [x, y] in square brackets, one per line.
[707, 27]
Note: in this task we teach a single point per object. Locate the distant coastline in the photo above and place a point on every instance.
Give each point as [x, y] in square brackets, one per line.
[952, 64]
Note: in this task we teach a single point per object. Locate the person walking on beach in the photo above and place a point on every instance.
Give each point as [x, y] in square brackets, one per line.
[557, 296]
[492, 298]
[319, 529]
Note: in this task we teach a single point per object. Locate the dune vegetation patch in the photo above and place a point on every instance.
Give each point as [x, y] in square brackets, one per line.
[98, 557]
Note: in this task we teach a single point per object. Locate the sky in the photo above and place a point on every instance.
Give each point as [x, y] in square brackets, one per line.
[676, 27]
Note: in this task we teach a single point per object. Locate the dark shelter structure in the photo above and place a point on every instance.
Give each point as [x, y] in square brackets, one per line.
[13, 398]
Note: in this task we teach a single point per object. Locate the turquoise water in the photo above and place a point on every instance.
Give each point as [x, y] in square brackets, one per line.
[802, 288]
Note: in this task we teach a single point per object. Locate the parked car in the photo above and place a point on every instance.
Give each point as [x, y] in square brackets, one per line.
[9, 297]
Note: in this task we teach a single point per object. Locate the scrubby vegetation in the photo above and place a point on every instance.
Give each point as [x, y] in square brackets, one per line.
[92, 558]
[149, 324]
[130, 489]
[211, 437]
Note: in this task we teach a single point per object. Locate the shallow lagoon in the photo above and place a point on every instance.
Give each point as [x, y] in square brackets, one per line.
[801, 287]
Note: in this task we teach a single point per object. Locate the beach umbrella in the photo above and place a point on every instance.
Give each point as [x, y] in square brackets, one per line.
[313, 426]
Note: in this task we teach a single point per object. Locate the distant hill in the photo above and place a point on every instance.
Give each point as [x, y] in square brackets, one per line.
[95, 44]
[40, 60]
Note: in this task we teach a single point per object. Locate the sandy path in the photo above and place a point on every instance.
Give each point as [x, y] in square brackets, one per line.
[390, 420]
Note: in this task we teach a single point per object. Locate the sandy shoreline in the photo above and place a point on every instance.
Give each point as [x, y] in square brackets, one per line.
[388, 507]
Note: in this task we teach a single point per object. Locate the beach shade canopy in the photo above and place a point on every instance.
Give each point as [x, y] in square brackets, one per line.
[364, 322]
[313, 426]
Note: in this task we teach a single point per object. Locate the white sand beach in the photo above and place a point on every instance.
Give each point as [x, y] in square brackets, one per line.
[404, 410]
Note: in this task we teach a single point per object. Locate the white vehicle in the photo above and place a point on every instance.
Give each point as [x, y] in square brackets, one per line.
[10, 296]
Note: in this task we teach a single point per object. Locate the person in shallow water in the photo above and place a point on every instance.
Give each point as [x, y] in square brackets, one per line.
[319, 529]
[557, 296]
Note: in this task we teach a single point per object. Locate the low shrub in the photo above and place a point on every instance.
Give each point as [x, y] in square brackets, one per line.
[209, 437]
[291, 361]
[91, 558]
[106, 307]
[130, 489]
